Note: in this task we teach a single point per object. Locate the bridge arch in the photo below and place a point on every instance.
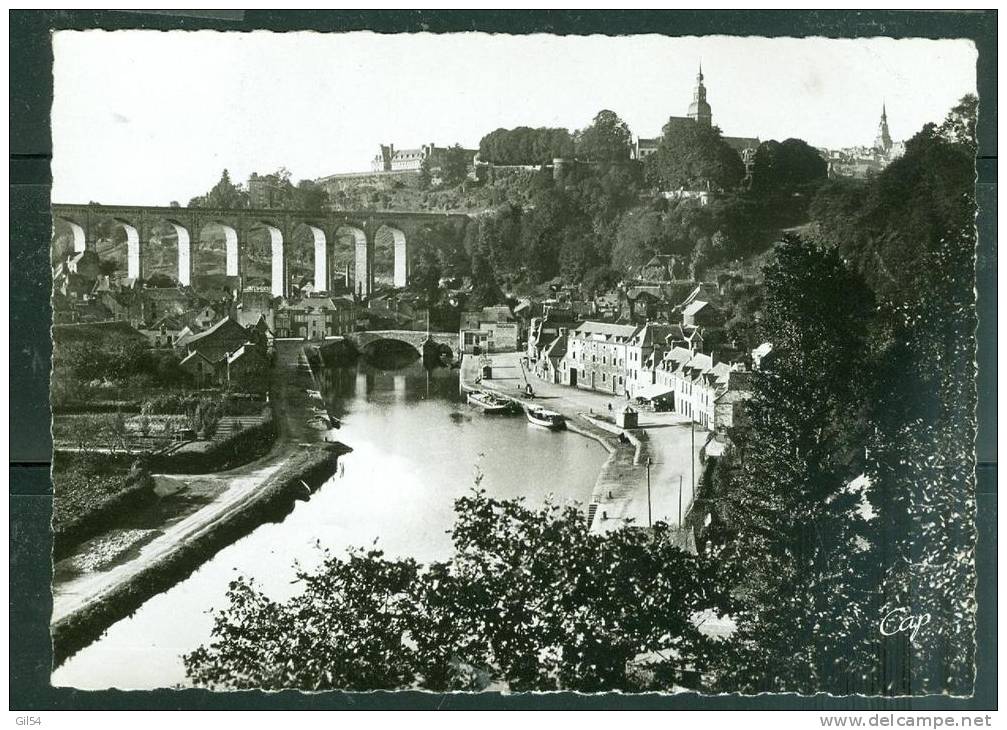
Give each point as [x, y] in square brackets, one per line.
[278, 266]
[319, 245]
[388, 236]
[232, 249]
[85, 234]
[363, 279]
[184, 241]
[425, 344]
[77, 233]
[134, 255]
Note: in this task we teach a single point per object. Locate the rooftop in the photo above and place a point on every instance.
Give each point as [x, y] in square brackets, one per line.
[603, 329]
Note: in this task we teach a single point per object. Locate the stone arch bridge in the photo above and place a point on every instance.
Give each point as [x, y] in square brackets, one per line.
[326, 229]
[417, 339]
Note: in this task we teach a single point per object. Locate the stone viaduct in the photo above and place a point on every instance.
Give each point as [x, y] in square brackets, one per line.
[325, 227]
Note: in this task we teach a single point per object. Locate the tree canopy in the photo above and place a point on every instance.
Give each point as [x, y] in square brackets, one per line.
[787, 167]
[871, 383]
[454, 165]
[225, 194]
[809, 586]
[526, 146]
[693, 156]
[530, 599]
[891, 236]
[606, 139]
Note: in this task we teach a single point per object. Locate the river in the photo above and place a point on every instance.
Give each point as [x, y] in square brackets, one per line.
[416, 447]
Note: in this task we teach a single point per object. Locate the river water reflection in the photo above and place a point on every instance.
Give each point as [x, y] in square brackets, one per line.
[416, 447]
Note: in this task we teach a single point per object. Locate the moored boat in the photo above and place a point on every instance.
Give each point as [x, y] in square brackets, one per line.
[545, 418]
[320, 423]
[491, 402]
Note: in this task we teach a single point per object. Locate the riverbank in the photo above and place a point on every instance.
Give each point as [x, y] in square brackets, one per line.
[245, 497]
[620, 495]
[85, 620]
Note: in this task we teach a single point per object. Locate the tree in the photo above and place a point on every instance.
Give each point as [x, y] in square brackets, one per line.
[309, 195]
[787, 167]
[224, 194]
[426, 272]
[693, 156]
[890, 236]
[485, 288]
[802, 555]
[921, 456]
[577, 255]
[454, 165]
[606, 139]
[205, 418]
[526, 146]
[599, 279]
[525, 600]
[959, 127]
[542, 232]
[640, 235]
[425, 178]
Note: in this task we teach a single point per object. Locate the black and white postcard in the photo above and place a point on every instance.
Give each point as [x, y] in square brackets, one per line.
[471, 362]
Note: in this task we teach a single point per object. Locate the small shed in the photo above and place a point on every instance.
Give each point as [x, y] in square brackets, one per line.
[627, 418]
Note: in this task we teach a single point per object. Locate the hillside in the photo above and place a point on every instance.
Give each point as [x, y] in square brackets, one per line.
[405, 192]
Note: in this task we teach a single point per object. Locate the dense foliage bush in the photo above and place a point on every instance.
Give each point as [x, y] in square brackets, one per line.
[530, 599]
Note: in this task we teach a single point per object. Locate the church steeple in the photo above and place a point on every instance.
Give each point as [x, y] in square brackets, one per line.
[883, 142]
[699, 109]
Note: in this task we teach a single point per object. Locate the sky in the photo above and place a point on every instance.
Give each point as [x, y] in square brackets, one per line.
[148, 117]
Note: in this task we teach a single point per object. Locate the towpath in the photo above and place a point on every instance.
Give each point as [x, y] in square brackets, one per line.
[228, 492]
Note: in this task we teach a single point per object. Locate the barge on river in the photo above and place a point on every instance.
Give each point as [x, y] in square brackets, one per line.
[545, 418]
[491, 403]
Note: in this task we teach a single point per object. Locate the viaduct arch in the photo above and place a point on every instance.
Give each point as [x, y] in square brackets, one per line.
[325, 229]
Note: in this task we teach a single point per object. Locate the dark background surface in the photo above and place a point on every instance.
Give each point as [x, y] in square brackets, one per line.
[31, 348]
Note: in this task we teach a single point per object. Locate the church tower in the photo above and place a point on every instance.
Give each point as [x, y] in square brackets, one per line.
[883, 142]
[699, 110]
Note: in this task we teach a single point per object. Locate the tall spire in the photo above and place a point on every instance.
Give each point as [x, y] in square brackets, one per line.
[699, 110]
[883, 142]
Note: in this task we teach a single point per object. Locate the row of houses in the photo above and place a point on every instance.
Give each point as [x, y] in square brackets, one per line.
[654, 365]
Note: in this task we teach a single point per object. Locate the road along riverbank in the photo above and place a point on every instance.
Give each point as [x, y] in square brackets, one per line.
[86, 605]
[621, 495]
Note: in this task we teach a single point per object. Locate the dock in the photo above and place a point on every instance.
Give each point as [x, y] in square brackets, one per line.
[619, 496]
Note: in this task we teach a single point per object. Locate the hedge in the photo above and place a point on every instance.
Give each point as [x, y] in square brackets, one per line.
[90, 493]
[243, 447]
